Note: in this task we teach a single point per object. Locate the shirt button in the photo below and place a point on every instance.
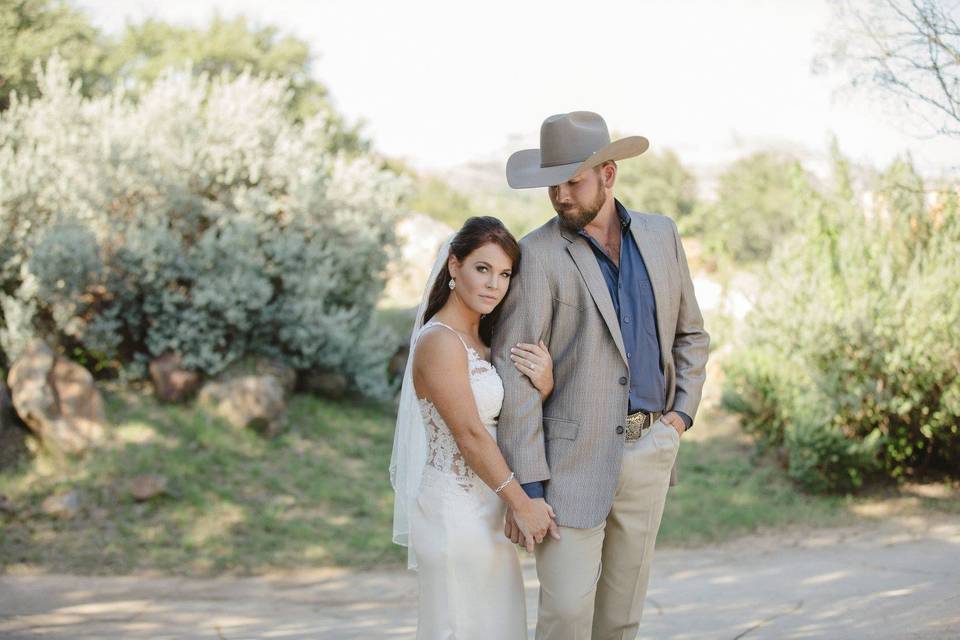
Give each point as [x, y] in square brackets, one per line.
[627, 320]
[623, 380]
[619, 430]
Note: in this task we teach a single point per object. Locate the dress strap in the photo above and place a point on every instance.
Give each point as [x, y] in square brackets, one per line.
[462, 341]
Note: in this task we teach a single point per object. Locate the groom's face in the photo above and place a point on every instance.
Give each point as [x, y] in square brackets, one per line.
[579, 200]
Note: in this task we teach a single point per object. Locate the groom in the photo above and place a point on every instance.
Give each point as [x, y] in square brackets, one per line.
[609, 291]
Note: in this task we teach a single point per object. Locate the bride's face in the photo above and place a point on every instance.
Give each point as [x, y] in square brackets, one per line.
[483, 277]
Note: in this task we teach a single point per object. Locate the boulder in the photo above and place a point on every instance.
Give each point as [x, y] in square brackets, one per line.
[57, 399]
[262, 366]
[171, 381]
[248, 402]
[328, 384]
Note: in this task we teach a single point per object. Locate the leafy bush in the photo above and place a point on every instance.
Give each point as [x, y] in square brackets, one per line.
[197, 218]
[851, 359]
[658, 183]
[755, 207]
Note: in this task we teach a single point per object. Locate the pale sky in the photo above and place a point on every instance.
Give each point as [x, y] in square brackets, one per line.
[441, 83]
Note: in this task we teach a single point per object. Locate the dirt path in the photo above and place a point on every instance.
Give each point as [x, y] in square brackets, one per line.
[899, 579]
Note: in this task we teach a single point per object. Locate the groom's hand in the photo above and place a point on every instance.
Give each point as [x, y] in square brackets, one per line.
[553, 530]
[673, 419]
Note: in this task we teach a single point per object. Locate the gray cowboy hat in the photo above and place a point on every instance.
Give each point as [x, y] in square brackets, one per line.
[569, 144]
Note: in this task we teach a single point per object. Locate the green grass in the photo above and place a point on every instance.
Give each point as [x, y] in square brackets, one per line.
[727, 489]
[722, 493]
[319, 494]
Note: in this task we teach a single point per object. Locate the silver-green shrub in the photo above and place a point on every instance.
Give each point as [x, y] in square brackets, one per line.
[851, 359]
[196, 218]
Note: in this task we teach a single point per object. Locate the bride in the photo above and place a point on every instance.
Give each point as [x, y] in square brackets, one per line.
[452, 484]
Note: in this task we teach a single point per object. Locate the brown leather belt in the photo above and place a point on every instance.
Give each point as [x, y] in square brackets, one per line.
[639, 423]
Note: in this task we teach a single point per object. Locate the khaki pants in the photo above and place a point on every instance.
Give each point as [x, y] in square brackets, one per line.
[593, 582]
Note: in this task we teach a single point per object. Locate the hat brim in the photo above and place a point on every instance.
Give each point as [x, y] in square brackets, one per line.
[524, 170]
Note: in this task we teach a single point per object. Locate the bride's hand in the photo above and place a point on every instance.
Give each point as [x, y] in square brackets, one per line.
[535, 520]
[534, 361]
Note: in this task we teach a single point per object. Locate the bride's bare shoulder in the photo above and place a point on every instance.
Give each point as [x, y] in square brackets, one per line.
[439, 348]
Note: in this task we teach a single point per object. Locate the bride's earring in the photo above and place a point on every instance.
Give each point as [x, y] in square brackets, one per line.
[452, 284]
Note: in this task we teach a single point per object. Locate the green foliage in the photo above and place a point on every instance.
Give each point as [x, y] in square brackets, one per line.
[146, 50]
[658, 183]
[33, 30]
[198, 218]
[477, 189]
[755, 208]
[437, 199]
[852, 358]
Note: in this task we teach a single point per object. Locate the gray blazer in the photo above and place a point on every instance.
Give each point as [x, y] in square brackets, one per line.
[559, 295]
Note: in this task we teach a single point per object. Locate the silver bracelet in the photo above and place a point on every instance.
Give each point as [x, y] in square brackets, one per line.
[505, 483]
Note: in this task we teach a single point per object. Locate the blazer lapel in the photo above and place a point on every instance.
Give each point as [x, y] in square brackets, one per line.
[586, 262]
[652, 254]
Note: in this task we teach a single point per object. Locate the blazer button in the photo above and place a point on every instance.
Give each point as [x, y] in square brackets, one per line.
[623, 380]
[619, 429]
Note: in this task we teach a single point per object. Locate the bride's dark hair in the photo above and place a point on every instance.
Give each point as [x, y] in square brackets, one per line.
[476, 232]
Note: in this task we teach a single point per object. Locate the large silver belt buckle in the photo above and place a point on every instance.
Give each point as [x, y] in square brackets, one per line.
[635, 425]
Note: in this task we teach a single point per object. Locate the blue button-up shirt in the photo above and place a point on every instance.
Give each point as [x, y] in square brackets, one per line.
[632, 294]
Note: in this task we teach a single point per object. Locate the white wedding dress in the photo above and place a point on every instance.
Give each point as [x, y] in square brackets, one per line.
[471, 586]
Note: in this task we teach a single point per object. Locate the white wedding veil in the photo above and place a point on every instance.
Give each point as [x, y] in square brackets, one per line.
[410, 437]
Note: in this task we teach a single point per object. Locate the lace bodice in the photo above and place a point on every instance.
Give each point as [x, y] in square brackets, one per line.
[443, 454]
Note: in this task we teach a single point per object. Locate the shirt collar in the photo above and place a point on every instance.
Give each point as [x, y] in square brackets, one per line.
[621, 213]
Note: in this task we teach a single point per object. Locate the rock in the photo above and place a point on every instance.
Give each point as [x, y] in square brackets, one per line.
[57, 399]
[144, 487]
[248, 402]
[285, 374]
[63, 506]
[171, 381]
[326, 383]
[262, 366]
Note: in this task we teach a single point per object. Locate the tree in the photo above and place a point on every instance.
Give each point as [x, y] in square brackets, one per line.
[756, 207]
[31, 30]
[905, 51]
[145, 50]
[657, 183]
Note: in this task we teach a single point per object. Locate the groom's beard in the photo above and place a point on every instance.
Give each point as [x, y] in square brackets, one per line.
[575, 218]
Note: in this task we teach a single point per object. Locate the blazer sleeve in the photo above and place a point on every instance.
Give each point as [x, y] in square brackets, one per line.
[524, 317]
[691, 342]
